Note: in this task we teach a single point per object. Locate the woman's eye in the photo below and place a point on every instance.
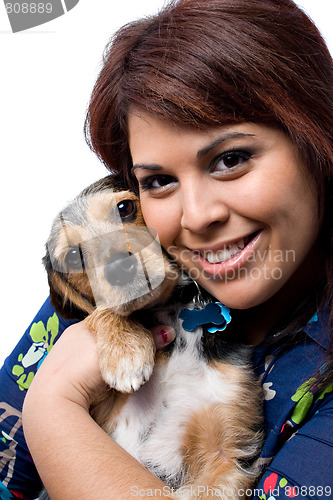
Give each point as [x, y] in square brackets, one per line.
[156, 182]
[231, 160]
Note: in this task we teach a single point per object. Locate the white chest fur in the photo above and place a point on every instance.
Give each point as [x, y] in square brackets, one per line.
[151, 424]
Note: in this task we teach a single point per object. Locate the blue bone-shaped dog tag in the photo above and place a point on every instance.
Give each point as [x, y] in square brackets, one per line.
[214, 313]
[225, 311]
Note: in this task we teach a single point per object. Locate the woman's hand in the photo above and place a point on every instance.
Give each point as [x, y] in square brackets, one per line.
[70, 451]
[72, 370]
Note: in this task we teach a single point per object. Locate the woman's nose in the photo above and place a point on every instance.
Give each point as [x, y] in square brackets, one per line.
[202, 208]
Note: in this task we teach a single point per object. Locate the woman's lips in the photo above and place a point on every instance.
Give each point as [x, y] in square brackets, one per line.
[227, 252]
[229, 258]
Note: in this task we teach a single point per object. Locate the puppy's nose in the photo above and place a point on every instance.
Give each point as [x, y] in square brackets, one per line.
[121, 269]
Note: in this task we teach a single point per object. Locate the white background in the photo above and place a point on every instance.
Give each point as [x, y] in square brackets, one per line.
[47, 74]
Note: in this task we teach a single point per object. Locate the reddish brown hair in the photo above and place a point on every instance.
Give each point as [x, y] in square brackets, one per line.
[207, 62]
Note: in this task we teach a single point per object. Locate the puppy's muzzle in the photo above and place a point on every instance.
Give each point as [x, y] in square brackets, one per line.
[121, 269]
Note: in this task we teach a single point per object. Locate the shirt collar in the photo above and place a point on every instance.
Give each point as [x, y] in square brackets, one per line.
[317, 327]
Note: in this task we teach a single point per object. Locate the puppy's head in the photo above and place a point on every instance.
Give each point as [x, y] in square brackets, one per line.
[100, 253]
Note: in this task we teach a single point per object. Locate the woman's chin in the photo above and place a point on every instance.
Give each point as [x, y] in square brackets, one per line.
[238, 295]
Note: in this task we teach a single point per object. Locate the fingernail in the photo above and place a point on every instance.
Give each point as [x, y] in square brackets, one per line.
[164, 335]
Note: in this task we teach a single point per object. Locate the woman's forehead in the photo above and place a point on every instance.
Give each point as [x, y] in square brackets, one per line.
[150, 128]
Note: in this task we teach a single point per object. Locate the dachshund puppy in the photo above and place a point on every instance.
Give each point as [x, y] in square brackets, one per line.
[190, 413]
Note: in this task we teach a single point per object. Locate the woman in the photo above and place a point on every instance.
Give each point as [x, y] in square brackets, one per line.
[220, 115]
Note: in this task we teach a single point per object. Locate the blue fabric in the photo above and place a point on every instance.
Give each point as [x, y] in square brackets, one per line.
[18, 474]
[298, 450]
[297, 457]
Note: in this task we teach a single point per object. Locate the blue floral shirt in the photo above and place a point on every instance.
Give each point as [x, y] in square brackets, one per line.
[297, 457]
[298, 450]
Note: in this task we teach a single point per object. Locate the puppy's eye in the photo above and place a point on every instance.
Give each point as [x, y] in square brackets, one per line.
[127, 210]
[74, 259]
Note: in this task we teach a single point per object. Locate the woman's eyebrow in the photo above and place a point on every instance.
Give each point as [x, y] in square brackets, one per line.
[220, 140]
[146, 167]
[200, 153]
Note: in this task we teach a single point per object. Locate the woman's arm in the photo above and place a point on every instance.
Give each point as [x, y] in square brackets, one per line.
[73, 455]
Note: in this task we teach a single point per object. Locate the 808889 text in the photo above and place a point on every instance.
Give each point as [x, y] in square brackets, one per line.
[29, 8]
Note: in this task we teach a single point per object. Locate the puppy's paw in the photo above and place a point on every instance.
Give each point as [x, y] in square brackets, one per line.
[127, 361]
[125, 348]
[129, 372]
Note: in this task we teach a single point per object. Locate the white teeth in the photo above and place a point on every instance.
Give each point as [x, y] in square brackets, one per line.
[226, 253]
[233, 249]
[220, 256]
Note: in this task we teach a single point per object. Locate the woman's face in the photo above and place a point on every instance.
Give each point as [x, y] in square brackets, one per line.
[232, 204]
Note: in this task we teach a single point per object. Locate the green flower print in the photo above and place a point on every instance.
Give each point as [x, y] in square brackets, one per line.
[304, 399]
[42, 342]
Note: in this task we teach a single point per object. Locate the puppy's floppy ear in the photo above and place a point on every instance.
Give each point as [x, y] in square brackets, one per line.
[67, 301]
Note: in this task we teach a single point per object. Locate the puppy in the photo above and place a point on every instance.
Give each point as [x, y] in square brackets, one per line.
[190, 413]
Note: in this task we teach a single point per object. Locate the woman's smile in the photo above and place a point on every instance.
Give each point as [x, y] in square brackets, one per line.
[230, 257]
[231, 204]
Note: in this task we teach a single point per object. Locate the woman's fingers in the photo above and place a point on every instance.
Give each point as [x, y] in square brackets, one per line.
[163, 335]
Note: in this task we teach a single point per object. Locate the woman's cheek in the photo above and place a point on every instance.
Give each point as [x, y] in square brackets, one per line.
[164, 220]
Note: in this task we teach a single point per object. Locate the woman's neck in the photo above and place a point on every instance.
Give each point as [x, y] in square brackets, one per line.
[254, 324]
